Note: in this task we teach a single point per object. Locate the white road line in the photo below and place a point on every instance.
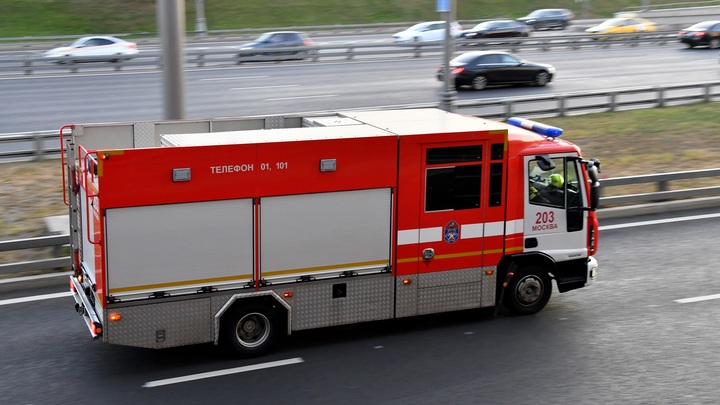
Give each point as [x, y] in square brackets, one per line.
[218, 373]
[264, 87]
[215, 79]
[659, 221]
[35, 298]
[36, 277]
[301, 97]
[696, 299]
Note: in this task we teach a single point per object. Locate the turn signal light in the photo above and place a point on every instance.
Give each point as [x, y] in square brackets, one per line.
[288, 294]
[407, 281]
[114, 317]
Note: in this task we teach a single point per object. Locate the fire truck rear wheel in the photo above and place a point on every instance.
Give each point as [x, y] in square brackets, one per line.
[529, 290]
[250, 330]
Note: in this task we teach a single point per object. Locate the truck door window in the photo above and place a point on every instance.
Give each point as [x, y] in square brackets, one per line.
[453, 178]
[547, 187]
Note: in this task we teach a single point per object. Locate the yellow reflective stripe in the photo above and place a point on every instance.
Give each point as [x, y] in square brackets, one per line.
[160, 286]
[324, 268]
[464, 254]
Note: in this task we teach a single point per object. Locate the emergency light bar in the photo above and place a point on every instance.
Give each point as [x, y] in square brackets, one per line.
[536, 127]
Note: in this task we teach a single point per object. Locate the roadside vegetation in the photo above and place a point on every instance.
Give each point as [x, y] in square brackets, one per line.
[78, 17]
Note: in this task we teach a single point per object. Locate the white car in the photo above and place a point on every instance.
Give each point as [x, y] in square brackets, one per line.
[427, 32]
[93, 49]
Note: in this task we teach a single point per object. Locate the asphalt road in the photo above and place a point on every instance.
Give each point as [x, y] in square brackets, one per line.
[644, 333]
[48, 101]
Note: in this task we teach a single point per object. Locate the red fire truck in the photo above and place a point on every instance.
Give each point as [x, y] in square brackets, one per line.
[239, 231]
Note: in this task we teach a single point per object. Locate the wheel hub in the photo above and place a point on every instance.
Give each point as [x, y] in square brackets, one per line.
[529, 290]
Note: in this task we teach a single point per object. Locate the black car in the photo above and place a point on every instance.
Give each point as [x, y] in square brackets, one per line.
[496, 29]
[706, 33]
[548, 18]
[479, 69]
[293, 43]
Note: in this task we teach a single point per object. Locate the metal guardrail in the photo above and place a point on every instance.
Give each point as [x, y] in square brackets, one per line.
[553, 105]
[661, 180]
[667, 6]
[218, 57]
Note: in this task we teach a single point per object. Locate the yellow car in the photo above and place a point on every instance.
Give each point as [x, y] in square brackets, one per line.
[623, 25]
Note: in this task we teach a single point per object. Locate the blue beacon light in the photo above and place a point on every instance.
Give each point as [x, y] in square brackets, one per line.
[536, 127]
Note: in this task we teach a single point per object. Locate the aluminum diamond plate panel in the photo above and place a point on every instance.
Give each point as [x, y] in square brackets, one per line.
[144, 135]
[161, 325]
[274, 122]
[406, 303]
[489, 287]
[449, 290]
[366, 298]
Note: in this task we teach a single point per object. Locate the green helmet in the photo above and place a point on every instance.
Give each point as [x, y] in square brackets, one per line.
[556, 180]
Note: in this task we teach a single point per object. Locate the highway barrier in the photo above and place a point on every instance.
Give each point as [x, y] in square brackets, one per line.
[199, 57]
[46, 144]
[669, 194]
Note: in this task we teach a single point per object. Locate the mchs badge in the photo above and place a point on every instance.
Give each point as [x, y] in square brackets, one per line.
[451, 232]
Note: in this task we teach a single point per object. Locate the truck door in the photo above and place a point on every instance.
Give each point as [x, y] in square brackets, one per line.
[554, 220]
[451, 211]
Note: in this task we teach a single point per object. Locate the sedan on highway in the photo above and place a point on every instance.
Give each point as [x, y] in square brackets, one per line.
[706, 33]
[93, 49]
[430, 31]
[294, 43]
[548, 18]
[623, 25]
[479, 69]
[496, 29]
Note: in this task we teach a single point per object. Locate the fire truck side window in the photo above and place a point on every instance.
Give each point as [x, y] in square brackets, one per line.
[455, 185]
[547, 187]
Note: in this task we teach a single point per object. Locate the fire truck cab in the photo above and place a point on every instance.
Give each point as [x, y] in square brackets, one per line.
[238, 231]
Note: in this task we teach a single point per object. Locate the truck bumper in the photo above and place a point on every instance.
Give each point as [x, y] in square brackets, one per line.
[592, 270]
[84, 307]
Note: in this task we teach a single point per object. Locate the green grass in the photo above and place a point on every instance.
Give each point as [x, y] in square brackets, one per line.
[77, 17]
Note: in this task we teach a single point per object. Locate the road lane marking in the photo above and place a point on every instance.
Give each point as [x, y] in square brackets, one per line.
[659, 221]
[215, 79]
[35, 298]
[696, 299]
[265, 87]
[300, 97]
[36, 277]
[218, 373]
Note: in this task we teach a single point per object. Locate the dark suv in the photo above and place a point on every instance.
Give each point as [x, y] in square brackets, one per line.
[548, 18]
[287, 42]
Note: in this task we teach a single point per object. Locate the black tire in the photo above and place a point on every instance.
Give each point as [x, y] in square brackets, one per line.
[250, 330]
[529, 290]
[542, 78]
[479, 82]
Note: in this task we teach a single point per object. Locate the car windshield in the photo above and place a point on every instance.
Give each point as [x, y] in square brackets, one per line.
[465, 58]
[703, 25]
[536, 13]
[78, 43]
[612, 22]
[484, 25]
[418, 27]
[264, 37]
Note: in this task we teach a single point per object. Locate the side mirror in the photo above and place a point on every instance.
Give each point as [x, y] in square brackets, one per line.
[544, 162]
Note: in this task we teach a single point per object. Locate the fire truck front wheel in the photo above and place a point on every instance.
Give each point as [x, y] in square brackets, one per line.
[250, 330]
[528, 291]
